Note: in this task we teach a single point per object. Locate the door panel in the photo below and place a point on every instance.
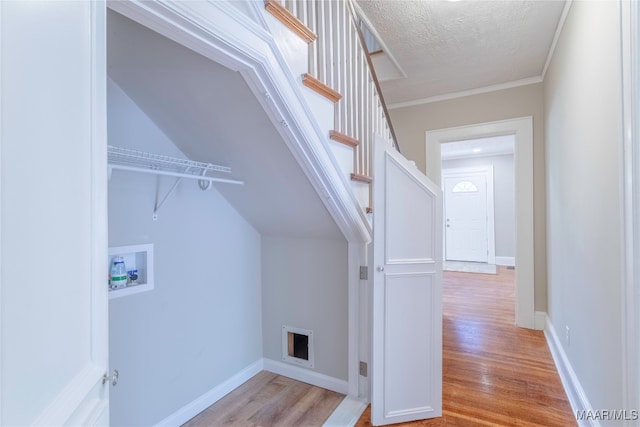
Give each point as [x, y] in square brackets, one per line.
[466, 218]
[407, 292]
[407, 362]
[409, 211]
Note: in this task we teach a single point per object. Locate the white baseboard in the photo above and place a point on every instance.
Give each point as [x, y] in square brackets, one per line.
[347, 413]
[575, 393]
[506, 260]
[307, 376]
[192, 409]
[201, 403]
[539, 320]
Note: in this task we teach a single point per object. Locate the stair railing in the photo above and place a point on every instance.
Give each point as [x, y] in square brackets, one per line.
[339, 58]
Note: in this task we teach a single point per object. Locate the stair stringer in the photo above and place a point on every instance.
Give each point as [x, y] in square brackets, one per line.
[222, 33]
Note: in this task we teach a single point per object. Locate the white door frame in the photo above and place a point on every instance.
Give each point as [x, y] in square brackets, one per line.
[522, 128]
[630, 155]
[487, 171]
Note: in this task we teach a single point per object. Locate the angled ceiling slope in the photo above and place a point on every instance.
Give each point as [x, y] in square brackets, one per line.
[447, 47]
[211, 115]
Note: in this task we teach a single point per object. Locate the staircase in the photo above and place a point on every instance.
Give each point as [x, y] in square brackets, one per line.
[324, 45]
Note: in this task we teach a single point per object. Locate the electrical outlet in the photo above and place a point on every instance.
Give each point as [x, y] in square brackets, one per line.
[568, 335]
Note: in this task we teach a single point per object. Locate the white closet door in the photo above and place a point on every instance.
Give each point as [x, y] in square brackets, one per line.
[407, 292]
[53, 224]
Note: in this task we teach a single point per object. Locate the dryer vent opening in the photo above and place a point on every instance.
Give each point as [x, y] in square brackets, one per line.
[297, 346]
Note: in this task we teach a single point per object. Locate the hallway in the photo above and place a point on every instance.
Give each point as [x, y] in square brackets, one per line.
[494, 373]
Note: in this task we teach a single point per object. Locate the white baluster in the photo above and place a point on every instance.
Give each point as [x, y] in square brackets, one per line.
[312, 23]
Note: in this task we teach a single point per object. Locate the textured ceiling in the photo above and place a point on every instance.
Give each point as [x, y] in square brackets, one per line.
[446, 47]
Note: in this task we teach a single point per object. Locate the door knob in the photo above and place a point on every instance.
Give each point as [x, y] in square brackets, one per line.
[113, 378]
[380, 268]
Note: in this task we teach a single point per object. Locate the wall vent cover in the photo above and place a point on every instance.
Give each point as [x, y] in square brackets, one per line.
[297, 346]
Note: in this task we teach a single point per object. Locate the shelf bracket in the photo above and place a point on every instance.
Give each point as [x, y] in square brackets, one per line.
[164, 199]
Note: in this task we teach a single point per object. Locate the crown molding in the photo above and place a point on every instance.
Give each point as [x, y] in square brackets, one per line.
[464, 93]
[556, 36]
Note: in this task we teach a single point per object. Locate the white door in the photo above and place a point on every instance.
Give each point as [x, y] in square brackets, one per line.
[53, 215]
[407, 292]
[466, 218]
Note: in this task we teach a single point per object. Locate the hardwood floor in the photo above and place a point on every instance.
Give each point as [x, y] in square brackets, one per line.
[494, 373]
[270, 400]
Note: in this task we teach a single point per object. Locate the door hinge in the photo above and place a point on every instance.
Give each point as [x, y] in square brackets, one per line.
[364, 272]
[363, 369]
[113, 378]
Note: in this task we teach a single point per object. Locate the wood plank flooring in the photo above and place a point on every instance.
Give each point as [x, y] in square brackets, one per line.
[494, 373]
[267, 400]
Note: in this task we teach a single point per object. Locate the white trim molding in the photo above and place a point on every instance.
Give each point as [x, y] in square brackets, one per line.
[1, 241]
[572, 387]
[305, 375]
[522, 128]
[630, 180]
[462, 94]
[201, 403]
[509, 261]
[358, 321]
[347, 413]
[556, 36]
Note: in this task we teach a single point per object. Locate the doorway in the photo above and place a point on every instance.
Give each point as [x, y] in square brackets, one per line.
[522, 130]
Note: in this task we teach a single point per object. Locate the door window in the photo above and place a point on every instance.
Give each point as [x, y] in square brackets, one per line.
[465, 187]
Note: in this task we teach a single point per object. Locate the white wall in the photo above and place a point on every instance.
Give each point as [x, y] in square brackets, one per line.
[504, 203]
[202, 322]
[305, 286]
[583, 136]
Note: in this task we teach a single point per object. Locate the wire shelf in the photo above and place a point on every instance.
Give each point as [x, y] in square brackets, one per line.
[140, 161]
[156, 162]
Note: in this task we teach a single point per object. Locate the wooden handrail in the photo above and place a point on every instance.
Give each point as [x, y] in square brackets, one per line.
[374, 76]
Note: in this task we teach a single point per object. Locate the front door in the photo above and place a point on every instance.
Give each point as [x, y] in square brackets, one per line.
[466, 217]
[406, 378]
